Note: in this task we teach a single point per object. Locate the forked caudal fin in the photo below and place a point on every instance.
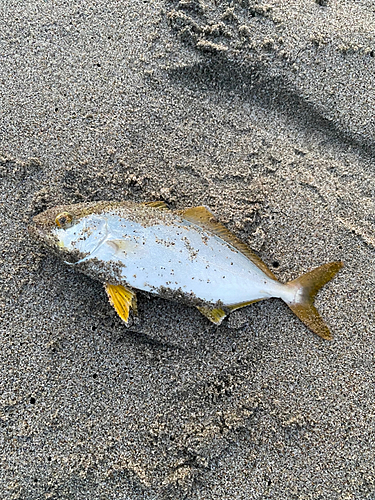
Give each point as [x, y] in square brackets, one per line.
[307, 286]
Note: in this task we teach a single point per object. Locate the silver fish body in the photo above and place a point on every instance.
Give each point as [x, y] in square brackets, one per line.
[173, 254]
[183, 255]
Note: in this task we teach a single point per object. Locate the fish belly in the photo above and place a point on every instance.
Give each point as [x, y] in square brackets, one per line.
[179, 257]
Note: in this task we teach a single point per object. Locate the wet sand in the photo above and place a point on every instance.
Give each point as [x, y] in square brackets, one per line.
[262, 111]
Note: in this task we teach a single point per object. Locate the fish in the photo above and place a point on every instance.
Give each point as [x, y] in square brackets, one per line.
[184, 255]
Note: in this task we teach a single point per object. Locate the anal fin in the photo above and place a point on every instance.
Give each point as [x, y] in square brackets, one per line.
[234, 307]
[122, 299]
[215, 315]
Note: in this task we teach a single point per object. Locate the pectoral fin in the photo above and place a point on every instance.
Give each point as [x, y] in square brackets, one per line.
[202, 217]
[122, 300]
[214, 315]
[122, 246]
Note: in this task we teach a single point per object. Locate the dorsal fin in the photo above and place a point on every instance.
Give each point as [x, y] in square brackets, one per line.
[206, 219]
[156, 204]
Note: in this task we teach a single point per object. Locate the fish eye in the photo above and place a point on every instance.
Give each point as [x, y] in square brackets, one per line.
[64, 219]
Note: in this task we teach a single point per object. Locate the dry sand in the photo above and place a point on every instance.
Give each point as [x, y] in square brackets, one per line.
[263, 112]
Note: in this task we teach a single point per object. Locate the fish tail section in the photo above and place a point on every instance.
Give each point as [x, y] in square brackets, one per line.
[306, 287]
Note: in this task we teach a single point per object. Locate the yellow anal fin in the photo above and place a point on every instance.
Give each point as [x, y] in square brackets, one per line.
[205, 219]
[234, 307]
[307, 286]
[215, 315]
[122, 300]
[156, 204]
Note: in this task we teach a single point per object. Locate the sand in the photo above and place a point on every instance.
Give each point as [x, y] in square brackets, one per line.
[262, 111]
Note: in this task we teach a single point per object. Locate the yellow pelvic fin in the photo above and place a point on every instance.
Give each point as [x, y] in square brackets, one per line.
[307, 286]
[206, 219]
[215, 315]
[122, 300]
[156, 204]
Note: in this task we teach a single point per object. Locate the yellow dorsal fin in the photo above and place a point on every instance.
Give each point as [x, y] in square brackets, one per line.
[215, 315]
[205, 219]
[122, 299]
[156, 204]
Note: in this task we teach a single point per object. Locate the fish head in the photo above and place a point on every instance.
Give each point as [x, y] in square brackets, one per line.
[70, 231]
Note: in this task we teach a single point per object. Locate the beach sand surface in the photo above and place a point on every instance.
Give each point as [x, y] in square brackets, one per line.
[262, 111]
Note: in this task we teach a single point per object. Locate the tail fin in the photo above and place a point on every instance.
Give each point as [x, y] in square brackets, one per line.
[307, 286]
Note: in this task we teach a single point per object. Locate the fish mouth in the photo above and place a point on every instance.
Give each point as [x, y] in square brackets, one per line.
[44, 237]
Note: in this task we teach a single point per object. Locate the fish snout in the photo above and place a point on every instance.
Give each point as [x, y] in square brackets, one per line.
[41, 233]
[35, 231]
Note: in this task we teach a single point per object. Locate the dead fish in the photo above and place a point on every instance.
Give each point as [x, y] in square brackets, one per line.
[184, 255]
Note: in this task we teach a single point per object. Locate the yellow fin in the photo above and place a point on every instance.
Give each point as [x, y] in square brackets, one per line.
[215, 315]
[121, 246]
[234, 307]
[307, 286]
[156, 204]
[122, 300]
[205, 219]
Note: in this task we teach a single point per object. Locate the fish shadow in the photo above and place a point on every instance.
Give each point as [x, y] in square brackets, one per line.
[139, 337]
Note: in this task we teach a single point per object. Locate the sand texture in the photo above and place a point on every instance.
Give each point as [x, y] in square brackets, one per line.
[263, 111]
